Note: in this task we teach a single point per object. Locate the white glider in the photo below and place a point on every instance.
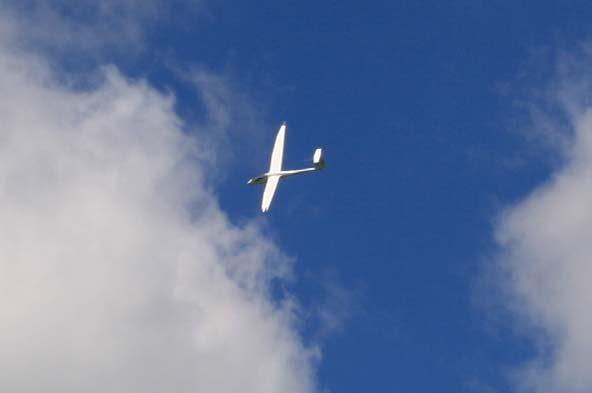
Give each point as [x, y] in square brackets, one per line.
[275, 173]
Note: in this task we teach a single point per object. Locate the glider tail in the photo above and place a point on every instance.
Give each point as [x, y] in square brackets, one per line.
[317, 158]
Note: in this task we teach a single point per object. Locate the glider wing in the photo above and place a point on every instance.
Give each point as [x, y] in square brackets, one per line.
[270, 186]
[278, 151]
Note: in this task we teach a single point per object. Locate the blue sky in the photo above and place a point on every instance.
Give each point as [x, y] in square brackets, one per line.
[425, 111]
[407, 99]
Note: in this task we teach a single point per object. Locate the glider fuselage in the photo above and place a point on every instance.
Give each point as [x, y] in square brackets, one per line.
[263, 178]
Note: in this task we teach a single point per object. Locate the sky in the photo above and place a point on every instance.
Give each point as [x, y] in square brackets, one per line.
[445, 247]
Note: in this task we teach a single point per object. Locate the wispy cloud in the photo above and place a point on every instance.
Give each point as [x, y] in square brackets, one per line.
[93, 27]
[118, 270]
[546, 253]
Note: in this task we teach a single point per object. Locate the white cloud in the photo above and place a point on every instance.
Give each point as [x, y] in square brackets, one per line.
[93, 27]
[118, 270]
[546, 247]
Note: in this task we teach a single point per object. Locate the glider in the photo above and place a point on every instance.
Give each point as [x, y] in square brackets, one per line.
[275, 173]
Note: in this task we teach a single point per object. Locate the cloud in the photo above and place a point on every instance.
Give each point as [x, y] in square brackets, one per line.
[91, 27]
[118, 270]
[545, 249]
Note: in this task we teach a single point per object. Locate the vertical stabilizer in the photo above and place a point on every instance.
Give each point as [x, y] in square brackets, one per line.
[317, 158]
